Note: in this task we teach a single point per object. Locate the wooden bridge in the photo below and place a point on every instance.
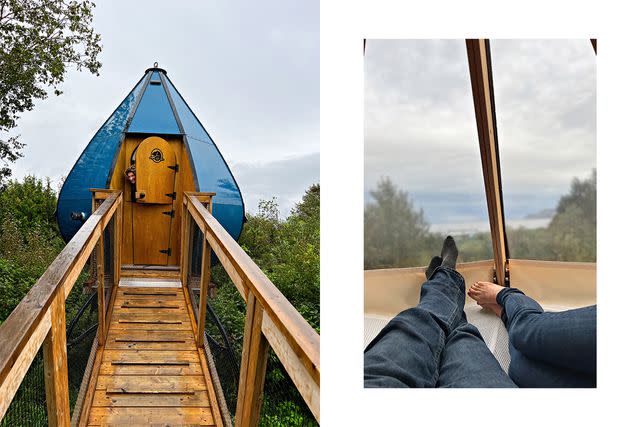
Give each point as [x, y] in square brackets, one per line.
[150, 362]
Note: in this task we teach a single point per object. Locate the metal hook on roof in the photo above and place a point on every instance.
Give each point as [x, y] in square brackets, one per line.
[155, 64]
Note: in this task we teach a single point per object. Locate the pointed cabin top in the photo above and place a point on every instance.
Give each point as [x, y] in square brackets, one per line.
[154, 107]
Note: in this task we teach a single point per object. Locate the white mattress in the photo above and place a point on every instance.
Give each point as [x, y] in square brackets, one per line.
[490, 326]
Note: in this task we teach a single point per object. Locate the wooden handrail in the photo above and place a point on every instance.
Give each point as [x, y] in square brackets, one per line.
[295, 342]
[30, 323]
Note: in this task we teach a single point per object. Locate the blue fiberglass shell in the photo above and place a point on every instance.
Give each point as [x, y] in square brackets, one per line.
[93, 166]
[153, 107]
[209, 167]
[154, 114]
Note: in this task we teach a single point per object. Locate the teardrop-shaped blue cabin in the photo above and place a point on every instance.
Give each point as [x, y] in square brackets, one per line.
[154, 130]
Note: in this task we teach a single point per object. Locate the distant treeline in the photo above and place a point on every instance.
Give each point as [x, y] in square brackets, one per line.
[397, 235]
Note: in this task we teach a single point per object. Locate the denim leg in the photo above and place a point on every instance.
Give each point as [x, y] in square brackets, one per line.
[406, 353]
[530, 373]
[565, 339]
[467, 361]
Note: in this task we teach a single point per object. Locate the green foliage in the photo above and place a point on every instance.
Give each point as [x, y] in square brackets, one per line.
[30, 202]
[39, 41]
[288, 252]
[29, 242]
[29, 239]
[28, 231]
[15, 282]
[570, 236]
[573, 228]
[395, 233]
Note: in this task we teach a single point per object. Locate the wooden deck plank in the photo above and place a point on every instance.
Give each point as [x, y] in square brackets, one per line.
[159, 369]
[149, 345]
[163, 292]
[156, 356]
[148, 300]
[151, 371]
[164, 307]
[151, 415]
[197, 398]
[150, 316]
[155, 326]
[158, 310]
[152, 335]
[152, 383]
[150, 339]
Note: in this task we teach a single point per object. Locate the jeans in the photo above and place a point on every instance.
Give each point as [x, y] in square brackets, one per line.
[432, 345]
[549, 349]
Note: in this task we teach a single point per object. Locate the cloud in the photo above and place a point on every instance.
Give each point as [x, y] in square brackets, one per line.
[285, 179]
[420, 127]
[249, 72]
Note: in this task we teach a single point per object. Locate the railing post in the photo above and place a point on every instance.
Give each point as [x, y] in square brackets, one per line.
[205, 274]
[56, 377]
[100, 278]
[185, 247]
[117, 253]
[255, 351]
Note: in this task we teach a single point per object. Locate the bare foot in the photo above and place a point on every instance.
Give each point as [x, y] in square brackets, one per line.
[484, 292]
[495, 308]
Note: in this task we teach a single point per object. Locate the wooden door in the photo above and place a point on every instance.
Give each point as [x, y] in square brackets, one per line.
[153, 213]
[155, 171]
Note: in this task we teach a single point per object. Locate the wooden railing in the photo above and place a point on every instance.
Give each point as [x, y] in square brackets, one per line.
[39, 319]
[271, 320]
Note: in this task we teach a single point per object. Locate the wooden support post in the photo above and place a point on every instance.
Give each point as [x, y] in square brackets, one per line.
[185, 247]
[56, 377]
[205, 276]
[101, 296]
[116, 245]
[255, 352]
[479, 58]
[117, 248]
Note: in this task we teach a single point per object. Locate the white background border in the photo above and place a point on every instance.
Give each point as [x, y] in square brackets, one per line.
[343, 25]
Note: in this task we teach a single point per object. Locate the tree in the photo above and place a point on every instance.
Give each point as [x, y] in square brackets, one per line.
[310, 205]
[395, 234]
[573, 228]
[288, 252]
[29, 234]
[30, 202]
[39, 41]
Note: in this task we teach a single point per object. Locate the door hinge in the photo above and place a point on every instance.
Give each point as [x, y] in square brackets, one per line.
[166, 251]
[172, 195]
[171, 213]
[175, 168]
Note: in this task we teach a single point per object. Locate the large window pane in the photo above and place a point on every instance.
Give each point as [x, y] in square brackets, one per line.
[545, 93]
[423, 175]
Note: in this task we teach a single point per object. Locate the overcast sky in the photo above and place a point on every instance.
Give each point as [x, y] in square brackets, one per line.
[420, 125]
[250, 72]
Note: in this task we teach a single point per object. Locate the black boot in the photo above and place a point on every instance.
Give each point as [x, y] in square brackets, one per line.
[449, 253]
[435, 263]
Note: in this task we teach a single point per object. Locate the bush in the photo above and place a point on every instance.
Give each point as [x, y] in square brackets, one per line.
[288, 252]
[29, 238]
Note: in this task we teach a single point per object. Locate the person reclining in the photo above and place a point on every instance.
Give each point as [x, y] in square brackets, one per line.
[547, 349]
[433, 345]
